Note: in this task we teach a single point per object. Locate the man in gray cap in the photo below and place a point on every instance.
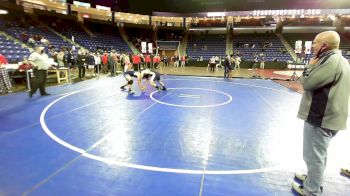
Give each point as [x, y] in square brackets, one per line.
[41, 65]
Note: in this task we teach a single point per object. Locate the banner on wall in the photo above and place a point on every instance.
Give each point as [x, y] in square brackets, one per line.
[143, 47]
[150, 48]
[308, 45]
[298, 46]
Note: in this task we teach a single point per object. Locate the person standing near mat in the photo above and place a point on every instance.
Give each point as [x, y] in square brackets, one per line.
[40, 62]
[212, 64]
[227, 66]
[324, 108]
[81, 63]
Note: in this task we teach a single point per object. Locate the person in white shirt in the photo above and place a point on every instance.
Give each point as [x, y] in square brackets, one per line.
[41, 64]
[211, 64]
[97, 58]
[237, 62]
[262, 63]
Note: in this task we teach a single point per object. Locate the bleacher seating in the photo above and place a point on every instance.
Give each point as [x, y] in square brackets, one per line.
[206, 46]
[138, 35]
[292, 38]
[249, 22]
[307, 22]
[167, 45]
[54, 39]
[31, 28]
[90, 43]
[14, 52]
[169, 35]
[345, 46]
[105, 37]
[209, 23]
[250, 45]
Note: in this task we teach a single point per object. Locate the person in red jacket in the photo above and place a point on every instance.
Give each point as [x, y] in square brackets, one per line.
[5, 82]
[156, 61]
[3, 61]
[104, 60]
[136, 60]
[183, 61]
[148, 61]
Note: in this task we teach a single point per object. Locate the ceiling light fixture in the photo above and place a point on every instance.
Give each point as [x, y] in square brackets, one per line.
[3, 11]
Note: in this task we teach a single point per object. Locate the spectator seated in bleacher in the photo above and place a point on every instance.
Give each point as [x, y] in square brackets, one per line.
[44, 41]
[31, 42]
[24, 37]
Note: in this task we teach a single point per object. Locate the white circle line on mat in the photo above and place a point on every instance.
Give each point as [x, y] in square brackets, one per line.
[193, 106]
[85, 153]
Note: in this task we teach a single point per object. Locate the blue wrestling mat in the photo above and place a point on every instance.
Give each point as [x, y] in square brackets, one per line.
[203, 136]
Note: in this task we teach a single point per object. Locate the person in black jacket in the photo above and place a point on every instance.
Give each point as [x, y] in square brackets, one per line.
[90, 62]
[111, 63]
[81, 63]
[227, 66]
[70, 59]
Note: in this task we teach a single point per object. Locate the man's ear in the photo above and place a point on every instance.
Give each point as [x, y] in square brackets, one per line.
[325, 47]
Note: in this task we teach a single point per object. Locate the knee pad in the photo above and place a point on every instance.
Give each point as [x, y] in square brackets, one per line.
[130, 82]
